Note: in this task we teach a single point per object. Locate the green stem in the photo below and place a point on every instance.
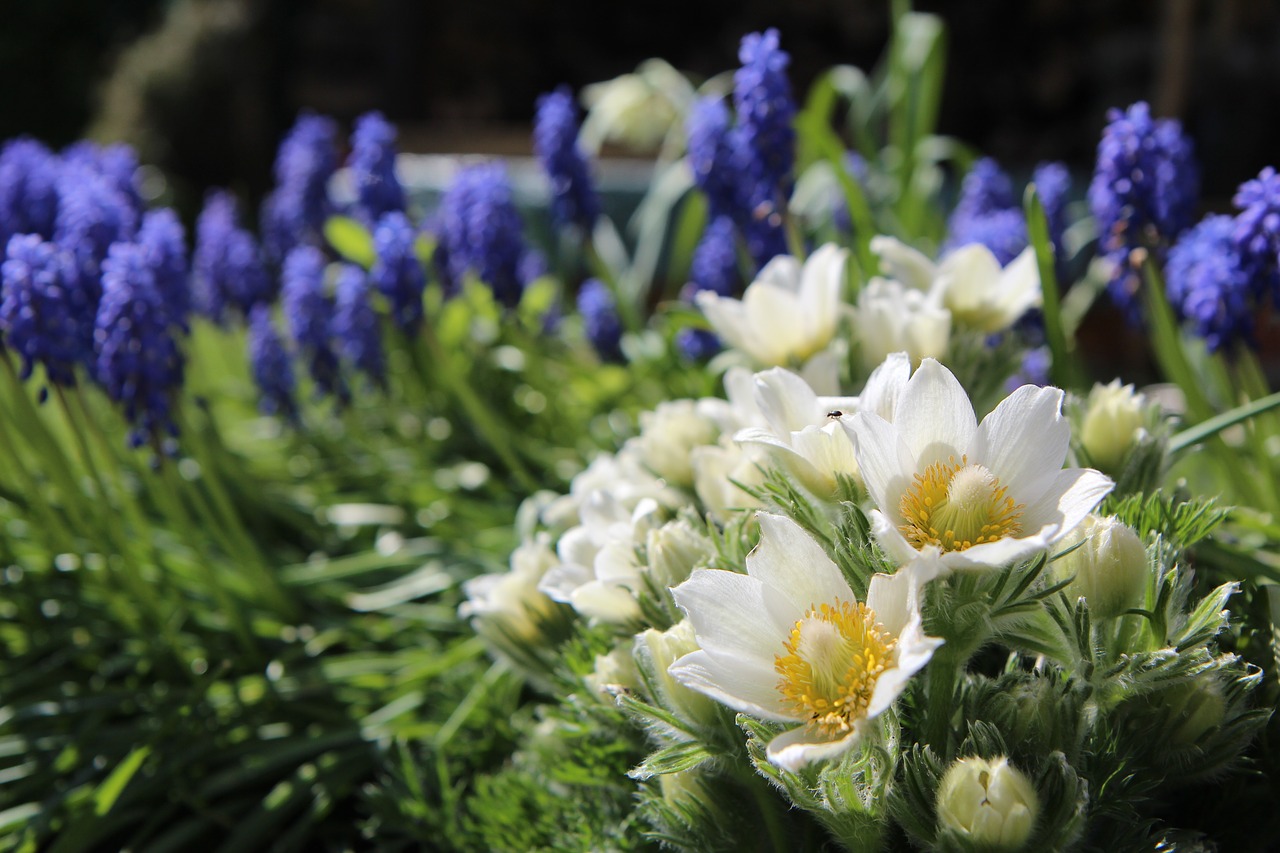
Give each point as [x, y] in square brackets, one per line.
[235, 536]
[1166, 343]
[1211, 427]
[187, 529]
[476, 411]
[941, 692]
[61, 538]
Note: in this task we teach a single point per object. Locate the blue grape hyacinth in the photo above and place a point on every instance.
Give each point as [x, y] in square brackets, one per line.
[397, 272]
[309, 312]
[28, 189]
[715, 260]
[228, 267]
[139, 363]
[295, 212]
[164, 240]
[600, 319]
[1256, 236]
[1143, 194]
[271, 365]
[762, 99]
[373, 167]
[555, 141]
[1209, 287]
[92, 214]
[355, 324]
[45, 316]
[712, 157]
[481, 230]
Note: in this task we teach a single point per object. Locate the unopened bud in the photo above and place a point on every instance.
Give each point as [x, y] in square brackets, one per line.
[674, 549]
[655, 652]
[615, 673]
[1110, 565]
[1113, 420]
[987, 803]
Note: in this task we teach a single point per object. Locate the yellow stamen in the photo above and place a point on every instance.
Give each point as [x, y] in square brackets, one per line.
[835, 654]
[955, 505]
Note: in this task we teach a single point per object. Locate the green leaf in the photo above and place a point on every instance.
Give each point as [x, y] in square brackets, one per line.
[1207, 429]
[109, 791]
[351, 240]
[672, 759]
[1063, 370]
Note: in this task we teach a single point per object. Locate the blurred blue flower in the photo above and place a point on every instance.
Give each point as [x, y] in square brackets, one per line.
[1208, 286]
[481, 231]
[45, 316]
[92, 214]
[271, 365]
[1143, 193]
[1053, 184]
[1004, 232]
[697, 344]
[712, 158]
[28, 189]
[600, 319]
[397, 272]
[1034, 370]
[355, 324]
[117, 163]
[373, 167]
[295, 212]
[228, 266]
[765, 108]
[138, 361]
[309, 312]
[555, 142]
[715, 261]
[164, 240]
[1256, 238]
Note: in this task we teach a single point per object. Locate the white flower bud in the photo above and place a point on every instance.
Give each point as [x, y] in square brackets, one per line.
[988, 803]
[614, 673]
[1193, 709]
[673, 550]
[655, 652]
[510, 601]
[1110, 566]
[668, 436]
[1113, 420]
[891, 318]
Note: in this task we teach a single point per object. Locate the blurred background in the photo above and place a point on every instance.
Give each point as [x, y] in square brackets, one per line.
[205, 88]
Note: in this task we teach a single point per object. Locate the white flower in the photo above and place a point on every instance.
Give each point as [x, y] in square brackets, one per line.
[788, 314]
[983, 296]
[623, 476]
[889, 318]
[968, 282]
[1109, 568]
[718, 472]
[804, 433]
[789, 642]
[511, 599]
[669, 433]
[974, 494]
[598, 573]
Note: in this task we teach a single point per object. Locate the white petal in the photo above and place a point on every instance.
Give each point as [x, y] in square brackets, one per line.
[559, 583]
[789, 562]
[822, 370]
[605, 602]
[891, 539]
[1073, 495]
[776, 320]
[786, 401]
[745, 685]
[827, 448]
[820, 286]
[1024, 441]
[793, 749]
[1002, 552]
[885, 384]
[781, 271]
[900, 261]
[740, 389]
[727, 316]
[730, 615]
[884, 461]
[892, 597]
[934, 415]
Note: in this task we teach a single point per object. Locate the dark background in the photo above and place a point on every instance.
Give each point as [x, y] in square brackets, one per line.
[205, 88]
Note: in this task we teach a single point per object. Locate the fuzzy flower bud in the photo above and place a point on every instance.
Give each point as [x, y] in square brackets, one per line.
[655, 652]
[987, 803]
[668, 435]
[614, 674]
[1112, 423]
[1110, 567]
[674, 549]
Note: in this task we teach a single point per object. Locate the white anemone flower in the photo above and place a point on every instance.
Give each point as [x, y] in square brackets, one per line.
[971, 495]
[789, 642]
[788, 314]
[890, 317]
[983, 296]
[969, 282]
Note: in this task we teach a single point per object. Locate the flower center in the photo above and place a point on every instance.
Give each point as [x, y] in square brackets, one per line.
[833, 658]
[955, 505]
